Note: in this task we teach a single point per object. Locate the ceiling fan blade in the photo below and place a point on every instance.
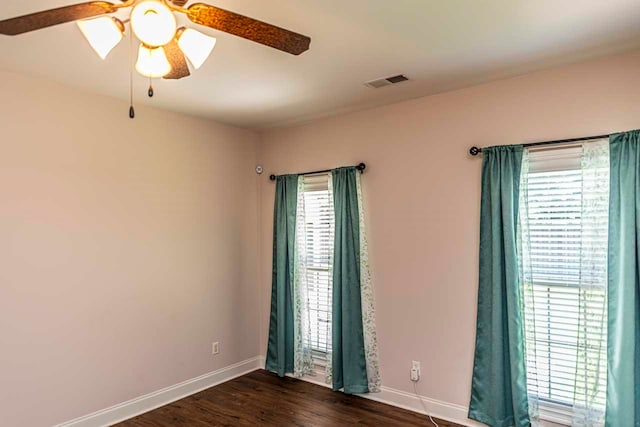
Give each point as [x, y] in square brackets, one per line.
[179, 3]
[48, 18]
[248, 28]
[179, 66]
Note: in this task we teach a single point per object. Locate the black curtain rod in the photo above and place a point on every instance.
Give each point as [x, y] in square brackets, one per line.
[361, 167]
[474, 151]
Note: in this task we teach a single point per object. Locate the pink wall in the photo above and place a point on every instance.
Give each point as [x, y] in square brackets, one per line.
[422, 194]
[127, 247]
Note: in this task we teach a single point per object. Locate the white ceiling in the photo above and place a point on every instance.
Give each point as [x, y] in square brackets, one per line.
[440, 44]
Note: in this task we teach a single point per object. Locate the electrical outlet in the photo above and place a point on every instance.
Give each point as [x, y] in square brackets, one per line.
[215, 348]
[415, 371]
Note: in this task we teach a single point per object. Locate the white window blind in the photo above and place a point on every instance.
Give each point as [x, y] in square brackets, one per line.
[563, 240]
[319, 229]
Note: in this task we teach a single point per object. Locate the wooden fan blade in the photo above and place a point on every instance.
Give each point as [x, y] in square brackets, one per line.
[179, 66]
[248, 28]
[48, 18]
[179, 3]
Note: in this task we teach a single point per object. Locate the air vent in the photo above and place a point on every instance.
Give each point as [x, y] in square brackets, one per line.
[387, 81]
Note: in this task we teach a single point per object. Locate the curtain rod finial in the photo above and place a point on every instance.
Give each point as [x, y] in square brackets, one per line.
[361, 167]
[474, 151]
[272, 177]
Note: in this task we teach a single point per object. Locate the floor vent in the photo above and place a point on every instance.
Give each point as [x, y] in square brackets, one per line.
[387, 81]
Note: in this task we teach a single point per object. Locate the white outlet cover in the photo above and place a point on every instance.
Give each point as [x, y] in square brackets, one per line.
[215, 348]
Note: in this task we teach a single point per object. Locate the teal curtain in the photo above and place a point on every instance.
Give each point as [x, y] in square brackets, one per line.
[349, 365]
[623, 374]
[280, 352]
[499, 386]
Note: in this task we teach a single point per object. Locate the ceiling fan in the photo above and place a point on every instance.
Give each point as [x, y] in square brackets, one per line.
[164, 48]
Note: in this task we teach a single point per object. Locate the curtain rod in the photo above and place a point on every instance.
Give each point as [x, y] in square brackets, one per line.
[361, 167]
[474, 151]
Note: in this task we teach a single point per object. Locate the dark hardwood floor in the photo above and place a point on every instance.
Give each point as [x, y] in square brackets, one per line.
[263, 399]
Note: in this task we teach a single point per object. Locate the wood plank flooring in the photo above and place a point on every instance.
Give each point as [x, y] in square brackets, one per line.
[263, 399]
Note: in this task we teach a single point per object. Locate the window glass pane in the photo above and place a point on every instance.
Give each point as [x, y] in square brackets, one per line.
[319, 217]
[563, 232]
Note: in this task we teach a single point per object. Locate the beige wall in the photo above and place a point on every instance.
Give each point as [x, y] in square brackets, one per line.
[422, 198]
[126, 248]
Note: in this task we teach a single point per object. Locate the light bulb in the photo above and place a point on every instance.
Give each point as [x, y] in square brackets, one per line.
[153, 23]
[152, 62]
[195, 45]
[103, 34]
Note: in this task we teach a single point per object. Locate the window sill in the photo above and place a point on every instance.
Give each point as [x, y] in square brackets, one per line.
[319, 358]
[320, 363]
[555, 413]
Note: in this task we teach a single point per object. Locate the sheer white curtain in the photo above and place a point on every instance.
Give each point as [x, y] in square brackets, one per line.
[303, 353]
[528, 296]
[368, 310]
[563, 226]
[591, 370]
[328, 367]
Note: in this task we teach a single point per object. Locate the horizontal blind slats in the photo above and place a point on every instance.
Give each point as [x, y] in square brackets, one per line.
[565, 276]
[319, 217]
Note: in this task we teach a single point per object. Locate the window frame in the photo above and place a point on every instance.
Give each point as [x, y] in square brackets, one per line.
[549, 159]
[315, 184]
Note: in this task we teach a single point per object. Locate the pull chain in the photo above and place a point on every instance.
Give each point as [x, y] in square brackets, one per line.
[150, 88]
[132, 111]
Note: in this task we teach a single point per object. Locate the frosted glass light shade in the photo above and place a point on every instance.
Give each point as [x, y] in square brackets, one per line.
[152, 62]
[153, 23]
[196, 46]
[103, 34]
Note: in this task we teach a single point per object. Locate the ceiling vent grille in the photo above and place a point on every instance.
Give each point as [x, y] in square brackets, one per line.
[387, 81]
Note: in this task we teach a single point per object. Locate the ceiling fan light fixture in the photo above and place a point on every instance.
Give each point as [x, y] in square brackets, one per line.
[195, 45]
[152, 62]
[103, 34]
[153, 23]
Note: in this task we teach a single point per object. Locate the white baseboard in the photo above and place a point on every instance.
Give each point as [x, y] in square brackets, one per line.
[131, 408]
[436, 408]
[411, 402]
[156, 399]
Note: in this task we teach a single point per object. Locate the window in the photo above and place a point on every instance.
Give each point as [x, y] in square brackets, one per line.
[563, 254]
[318, 214]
